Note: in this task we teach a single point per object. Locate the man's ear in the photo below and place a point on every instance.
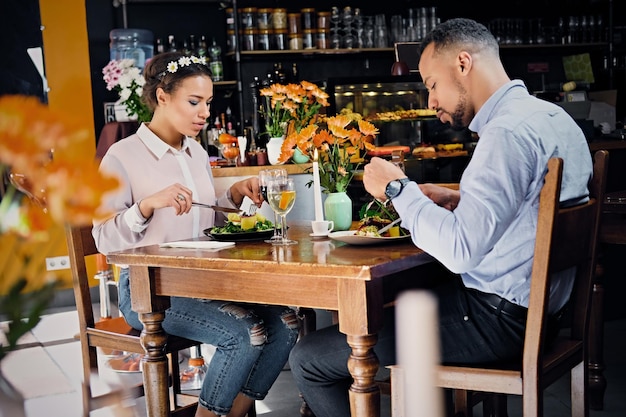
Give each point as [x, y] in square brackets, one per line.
[464, 61]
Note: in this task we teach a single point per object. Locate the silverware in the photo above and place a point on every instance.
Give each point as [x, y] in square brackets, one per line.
[250, 212]
[217, 208]
[389, 226]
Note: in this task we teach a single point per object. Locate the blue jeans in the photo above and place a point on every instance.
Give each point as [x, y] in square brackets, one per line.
[469, 333]
[252, 342]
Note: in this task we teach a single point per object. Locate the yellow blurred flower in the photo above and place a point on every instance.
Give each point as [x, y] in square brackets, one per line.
[54, 179]
[49, 160]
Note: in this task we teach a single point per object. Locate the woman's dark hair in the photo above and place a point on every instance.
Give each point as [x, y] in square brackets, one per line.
[167, 70]
[469, 33]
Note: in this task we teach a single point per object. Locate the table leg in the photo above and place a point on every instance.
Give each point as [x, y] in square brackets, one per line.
[363, 365]
[154, 365]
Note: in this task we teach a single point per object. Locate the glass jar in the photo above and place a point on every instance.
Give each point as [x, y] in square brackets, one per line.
[264, 40]
[137, 44]
[308, 18]
[248, 16]
[280, 39]
[279, 18]
[323, 38]
[323, 20]
[249, 39]
[264, 18]
[309, 40]
[230, 19]
[295, 41]
[294, 24]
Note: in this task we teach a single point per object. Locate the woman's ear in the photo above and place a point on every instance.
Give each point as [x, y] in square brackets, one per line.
[161, 96]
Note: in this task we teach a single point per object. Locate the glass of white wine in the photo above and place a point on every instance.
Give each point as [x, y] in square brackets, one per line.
[265, 176]
[281, 194]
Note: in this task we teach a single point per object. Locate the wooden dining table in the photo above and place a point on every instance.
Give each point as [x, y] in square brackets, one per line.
[355, 281]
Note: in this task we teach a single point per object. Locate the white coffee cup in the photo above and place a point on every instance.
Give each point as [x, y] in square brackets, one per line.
[322, 227]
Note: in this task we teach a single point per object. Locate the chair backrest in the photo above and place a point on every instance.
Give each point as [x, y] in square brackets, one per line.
[80, 244]
[566, 238]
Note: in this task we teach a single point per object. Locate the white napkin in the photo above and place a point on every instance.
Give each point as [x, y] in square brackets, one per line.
[198, 244]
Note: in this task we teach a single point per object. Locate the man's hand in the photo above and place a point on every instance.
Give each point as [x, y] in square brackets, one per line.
[377, 174]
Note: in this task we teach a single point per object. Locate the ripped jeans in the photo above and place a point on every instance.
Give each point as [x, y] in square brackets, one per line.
[252, 342]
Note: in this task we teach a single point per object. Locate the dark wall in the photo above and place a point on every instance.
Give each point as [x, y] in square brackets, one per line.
[19, 30]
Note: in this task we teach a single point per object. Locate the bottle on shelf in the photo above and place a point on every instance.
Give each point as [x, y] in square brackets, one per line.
[171, 44]
[215, 51]
[258, 121]
[230, 122]
[201, 50]
[192, 44]
[186, 49]
[160, 48]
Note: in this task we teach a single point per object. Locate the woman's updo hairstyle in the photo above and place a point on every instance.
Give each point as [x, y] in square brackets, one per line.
[167, 70]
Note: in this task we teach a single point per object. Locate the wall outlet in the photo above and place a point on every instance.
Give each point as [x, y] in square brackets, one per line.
[58, 262]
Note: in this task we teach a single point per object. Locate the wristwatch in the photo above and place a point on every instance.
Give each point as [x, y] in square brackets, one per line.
[395, 187]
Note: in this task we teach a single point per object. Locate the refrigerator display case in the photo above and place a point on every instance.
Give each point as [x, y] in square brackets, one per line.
[397, 105]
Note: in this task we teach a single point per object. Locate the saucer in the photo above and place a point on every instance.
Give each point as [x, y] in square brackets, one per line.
[319, 235]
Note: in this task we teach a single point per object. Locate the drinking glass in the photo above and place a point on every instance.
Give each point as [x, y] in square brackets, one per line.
[265, 176]
[230, 151]
[281, 194]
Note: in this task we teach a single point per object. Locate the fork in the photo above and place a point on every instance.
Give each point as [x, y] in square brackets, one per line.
[252, 209]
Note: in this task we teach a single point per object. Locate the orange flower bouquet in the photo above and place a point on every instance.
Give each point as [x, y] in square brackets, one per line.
[299, 103]
[341, 142]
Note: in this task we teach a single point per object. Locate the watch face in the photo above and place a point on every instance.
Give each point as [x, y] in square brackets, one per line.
[393, 189]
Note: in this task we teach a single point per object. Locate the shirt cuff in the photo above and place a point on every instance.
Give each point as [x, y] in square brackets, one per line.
[135, 220]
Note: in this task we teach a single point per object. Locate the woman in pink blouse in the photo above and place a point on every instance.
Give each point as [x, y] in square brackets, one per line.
[163, 169]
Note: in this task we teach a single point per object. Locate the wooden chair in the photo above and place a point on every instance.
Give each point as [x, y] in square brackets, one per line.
[112, 333]
[566, 237]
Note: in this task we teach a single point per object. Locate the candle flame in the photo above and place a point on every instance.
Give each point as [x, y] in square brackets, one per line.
[315, 155]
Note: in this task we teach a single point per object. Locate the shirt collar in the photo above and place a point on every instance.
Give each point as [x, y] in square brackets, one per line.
[156, 144]
[484, 114]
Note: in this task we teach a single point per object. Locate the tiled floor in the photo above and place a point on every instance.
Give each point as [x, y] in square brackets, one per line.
[48, 371]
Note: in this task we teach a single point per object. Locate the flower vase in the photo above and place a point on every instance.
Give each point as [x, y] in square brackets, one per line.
[121, 114]
[273, 150]
[299, 158]
[338, 208]
[11, 400]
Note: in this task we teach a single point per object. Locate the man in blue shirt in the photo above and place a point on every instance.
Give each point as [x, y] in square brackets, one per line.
[485, 232]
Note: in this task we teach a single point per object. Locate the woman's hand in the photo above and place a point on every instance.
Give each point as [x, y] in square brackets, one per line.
[176, 195]
[442, 196]
[246, 188]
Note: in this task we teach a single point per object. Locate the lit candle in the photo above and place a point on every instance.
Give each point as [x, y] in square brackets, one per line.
[317, 189]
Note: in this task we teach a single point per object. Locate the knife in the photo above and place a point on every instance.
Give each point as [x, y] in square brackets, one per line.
[217, 208]
[389, 226]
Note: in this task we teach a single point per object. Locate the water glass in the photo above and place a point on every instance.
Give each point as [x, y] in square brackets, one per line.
[265, 176]
[281, 194]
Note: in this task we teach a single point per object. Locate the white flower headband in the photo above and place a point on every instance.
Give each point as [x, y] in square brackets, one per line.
[183, 61]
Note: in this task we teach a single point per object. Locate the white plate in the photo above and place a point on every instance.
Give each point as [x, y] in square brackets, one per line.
[351, 238]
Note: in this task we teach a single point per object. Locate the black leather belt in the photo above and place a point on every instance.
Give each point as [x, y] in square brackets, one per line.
[501, 305]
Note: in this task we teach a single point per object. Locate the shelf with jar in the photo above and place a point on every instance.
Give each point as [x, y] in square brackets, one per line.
[314, 51]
